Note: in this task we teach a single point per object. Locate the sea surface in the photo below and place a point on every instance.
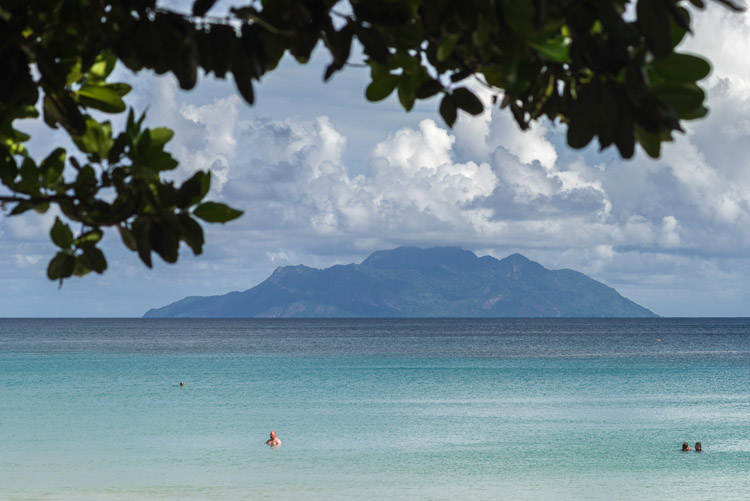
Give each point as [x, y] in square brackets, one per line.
[374, 409]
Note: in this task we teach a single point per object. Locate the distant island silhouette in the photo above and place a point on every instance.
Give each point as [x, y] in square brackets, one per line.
[415, 282]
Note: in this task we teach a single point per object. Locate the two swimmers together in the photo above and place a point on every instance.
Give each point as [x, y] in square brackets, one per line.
[686, 447]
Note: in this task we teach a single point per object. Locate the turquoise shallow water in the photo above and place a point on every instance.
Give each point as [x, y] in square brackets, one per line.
[374, 409]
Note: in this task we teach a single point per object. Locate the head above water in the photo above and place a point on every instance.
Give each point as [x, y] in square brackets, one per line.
[698, 447]
[685, 446]
[273, 435]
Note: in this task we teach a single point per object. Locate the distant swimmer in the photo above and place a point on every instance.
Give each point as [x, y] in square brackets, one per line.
[698, 447]
[686, 447]
[182, 384]
[274, 440]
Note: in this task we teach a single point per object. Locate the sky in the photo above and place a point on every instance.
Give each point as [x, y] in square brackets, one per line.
[325, 178]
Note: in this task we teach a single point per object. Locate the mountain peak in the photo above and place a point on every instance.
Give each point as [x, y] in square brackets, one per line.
[418, 258]
[517, 258]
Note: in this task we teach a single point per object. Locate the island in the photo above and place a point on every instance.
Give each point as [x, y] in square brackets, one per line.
[414, 282]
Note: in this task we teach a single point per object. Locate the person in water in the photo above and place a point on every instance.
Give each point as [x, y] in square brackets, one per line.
[274, 440]
[698, 447]
[685, 446]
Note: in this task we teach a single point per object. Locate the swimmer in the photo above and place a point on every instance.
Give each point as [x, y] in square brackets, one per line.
[274, 440]
[698, 447]
[182, 385]
[686, 447]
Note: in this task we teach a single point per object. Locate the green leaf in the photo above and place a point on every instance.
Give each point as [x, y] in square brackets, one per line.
[678, 31]
[61, 266]
[8, 168]
[165, 239]
[429, 88]
[556, 50]
[406, 91]
[582, 120]
[41, 208]
[381, 88]
[625, 140]
[162, 161]
[24, 112]
[167, 194]
[244, 85]
[149, 150]
[373, 44]
[222, 39]
[732, 5]
[494, 76]
[655, 23]
[467, 101]
[52, 167]
[581, 132]
[194, 189]
[61, 234]
[121, 89]
[105, 63]
[141, 227]
[90, 237]
[682, 67]
[29, 177]
[650, 142]
[74, 73]
[62, 109]
[80, 269]
[699, 112]
[200, 7]
[683, 98]
[21, 207]
[192, 233]
[481, 35]
[93, 259]
[213, 212]
[446, 47]
[97, 139]
[160, 136]
[128, 238]
[118, 148]
[102, 98]
[448, 110]
[607, 115]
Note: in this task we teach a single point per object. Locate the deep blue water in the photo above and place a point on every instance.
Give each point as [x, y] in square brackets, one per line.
[439, 409]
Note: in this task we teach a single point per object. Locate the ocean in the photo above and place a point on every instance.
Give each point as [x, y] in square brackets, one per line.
[374, 409]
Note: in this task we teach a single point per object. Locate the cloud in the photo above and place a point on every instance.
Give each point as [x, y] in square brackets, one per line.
[215, 147]
[484, 181]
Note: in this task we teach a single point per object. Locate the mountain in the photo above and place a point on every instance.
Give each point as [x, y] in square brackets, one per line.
[414, 282]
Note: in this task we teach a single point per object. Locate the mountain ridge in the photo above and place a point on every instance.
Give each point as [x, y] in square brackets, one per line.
[416, 282]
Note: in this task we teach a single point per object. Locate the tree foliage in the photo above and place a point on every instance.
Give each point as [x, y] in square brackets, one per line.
[589, 64]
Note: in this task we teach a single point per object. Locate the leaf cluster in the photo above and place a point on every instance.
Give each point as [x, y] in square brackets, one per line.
[583, 63]
[115, 179]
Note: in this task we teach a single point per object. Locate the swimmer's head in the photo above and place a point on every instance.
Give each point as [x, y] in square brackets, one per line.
[273, 435]
[685, 446]
[698, 446]
[182, 384]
